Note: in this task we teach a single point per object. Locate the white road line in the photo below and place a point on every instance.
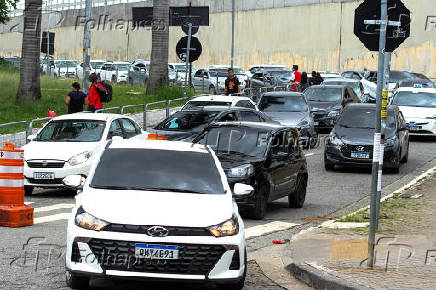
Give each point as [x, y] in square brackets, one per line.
[51, 218]
[260, 230]
[54, 207]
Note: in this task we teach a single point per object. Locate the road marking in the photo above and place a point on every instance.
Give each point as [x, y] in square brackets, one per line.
[260, 230]
[309, 154]
[54, 207]
[51, 218]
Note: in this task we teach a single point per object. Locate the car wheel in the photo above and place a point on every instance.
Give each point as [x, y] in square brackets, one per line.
[239, 285]
[328, 165]
[298, 196]
[28, 190]
[313, 140]
[396, 168]
[261, 203]
[212, 90]
[76, 282]
[406, 157]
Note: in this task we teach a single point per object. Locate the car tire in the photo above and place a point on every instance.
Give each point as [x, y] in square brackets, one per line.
[406, 157]
[328, 165]
[298, 196]
[76, 282]
[239, 285]
[396, 167]
[260, 203]
[313, 140]
[212, 90]
[28, 190]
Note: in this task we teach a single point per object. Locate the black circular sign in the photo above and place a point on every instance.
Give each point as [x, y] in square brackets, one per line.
[195, 50]
[369, 34]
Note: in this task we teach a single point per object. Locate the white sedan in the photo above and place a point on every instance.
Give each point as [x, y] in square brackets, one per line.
[115, 72]
[68, 144]
[418, 106]
[156, 210]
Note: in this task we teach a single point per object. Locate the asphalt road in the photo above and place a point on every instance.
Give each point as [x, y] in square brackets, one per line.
[32, 257]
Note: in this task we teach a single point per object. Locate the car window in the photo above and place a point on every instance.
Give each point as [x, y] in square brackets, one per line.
[249, 116]
[245, 104]
[198, 73]
[186, 120]
[115, 130]
[279, 103]
[129, 128]
[229, 117]
[324, 94]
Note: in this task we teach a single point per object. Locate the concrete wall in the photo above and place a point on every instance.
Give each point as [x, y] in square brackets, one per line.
[316, 34]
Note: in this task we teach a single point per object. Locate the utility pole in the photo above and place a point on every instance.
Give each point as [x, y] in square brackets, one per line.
[188, 50]
[87, 45]
[233, 34]
[47, 55]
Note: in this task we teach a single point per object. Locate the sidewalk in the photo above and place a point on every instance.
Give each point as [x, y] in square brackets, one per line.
[332, 258]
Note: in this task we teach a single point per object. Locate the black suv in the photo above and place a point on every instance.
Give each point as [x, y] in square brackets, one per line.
[264, 155]
[326, 103]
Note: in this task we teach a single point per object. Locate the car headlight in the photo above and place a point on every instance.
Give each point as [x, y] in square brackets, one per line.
[88, 221]
[303, 123]
[241, 171]
[228, 228]
[335, 140]
[80, 158]
[333, 114]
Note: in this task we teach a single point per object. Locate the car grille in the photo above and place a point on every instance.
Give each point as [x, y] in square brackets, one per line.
[120, 256]
[173, 231]
[347, 149]
[49, 164]
[45, 181]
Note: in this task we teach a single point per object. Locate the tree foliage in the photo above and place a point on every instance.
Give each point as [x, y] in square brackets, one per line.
[5, 6]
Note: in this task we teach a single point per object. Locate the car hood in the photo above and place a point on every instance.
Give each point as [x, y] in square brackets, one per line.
[56, 150]
[157, 208]
[287, 118]
[324, 106]
[417, 112]
[357, 136]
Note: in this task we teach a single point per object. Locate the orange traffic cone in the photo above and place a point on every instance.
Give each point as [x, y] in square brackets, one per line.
[13, 212]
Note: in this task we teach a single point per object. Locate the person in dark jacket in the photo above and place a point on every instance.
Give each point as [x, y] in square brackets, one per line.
[304, 81]
[76, 99]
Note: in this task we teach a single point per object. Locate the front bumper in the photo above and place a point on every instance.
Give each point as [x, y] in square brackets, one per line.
[422, 127]
[112, 254]
[323, 121]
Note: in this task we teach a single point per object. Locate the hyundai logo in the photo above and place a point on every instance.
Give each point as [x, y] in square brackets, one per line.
[158, 231]
[360, 149]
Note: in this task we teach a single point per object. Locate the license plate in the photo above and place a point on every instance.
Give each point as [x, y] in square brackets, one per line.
[360, 155]
[414, 128]
[43, 175]
[315, 123]
[156, 252]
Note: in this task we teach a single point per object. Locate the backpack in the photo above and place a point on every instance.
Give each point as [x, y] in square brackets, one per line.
[106, 97]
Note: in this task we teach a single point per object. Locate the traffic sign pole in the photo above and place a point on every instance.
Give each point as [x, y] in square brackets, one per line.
[188, 49]
[377, 136]
[233, 34]
[87, 46]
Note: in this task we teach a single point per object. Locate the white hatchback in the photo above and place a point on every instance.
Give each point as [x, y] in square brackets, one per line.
[156, 210]
[67, 145]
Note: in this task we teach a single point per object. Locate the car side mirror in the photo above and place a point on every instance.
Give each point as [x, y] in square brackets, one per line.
[403, 127]
[31, 137]
[74, 181]
[241, 189]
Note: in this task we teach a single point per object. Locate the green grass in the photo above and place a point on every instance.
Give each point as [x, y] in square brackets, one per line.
[54, 92]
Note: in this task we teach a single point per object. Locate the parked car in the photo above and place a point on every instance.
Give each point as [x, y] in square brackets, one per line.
[291, 109]
[115, 72]
[329, 74]
[415, 83]
[180, 69]
[95, 66]
[351, 142]
[220, 100]
[418, 105]
[187, 124]
[252, 70]
[355, 84]
[193, 231]
[264, 155]
[369, 86]
[62, 68]
[326, 103]
[68, 145]
[139, 72]
[15, 61]
[211, 81]
[351, 74]
[260, 79]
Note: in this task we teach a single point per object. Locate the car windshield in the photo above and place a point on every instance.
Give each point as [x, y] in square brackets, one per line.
[72, 131]
[122, 66]
[324, 94]
[157, 170]
[186, 120]
[415, 99]
[363, 118]
[283, 104]
[237, 141]
[97, 64]
[193, 104]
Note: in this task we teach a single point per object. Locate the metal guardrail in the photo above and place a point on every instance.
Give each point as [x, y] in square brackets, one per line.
[104, 110]
[143, 106]
[154, 104]
[13, 138]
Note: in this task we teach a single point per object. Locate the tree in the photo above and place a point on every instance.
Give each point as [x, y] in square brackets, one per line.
[159, 46]
[29, 88]
[5, 5]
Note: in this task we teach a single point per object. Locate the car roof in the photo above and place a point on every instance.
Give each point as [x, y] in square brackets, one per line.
[327, 87]
[283, 94]
[254, 125]
[219, 98]
[356, 106]
[340, 80]
[88, 116]
[216, 109]
[417, 90]
[158, 145]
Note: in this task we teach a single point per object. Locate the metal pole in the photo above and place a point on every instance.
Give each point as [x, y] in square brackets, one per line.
[377, 135]
[233, 33]
[188, 49]
[48, 41]
[87, 45]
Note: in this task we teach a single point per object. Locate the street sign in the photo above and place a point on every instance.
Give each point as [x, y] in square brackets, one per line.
[178, 16]
[185, 28]
[50, 44]
[367, 23]
[194, 52]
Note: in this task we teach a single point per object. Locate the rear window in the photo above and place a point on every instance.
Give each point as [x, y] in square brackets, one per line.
[157, 170]
[194, 104]
[187, 120]
[283, 104]
[363, 118]
[324, 94]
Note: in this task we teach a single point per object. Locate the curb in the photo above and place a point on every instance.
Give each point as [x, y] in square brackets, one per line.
[321, 280]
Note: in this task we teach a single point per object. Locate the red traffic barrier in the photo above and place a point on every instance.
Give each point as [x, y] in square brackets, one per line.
[13, 212]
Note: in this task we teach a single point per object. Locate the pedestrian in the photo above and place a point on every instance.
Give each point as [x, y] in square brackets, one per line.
[295, 78]
[232, 84]
[76, 99]
[304, 81]
[319, 78]
[95, 90]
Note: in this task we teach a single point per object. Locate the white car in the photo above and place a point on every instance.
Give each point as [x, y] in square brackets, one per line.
[95, 67]
[418, 106]
[220, 100]
[329, 74]
[68, 144]
[62, 68]
[156, 210]
[115, 72]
